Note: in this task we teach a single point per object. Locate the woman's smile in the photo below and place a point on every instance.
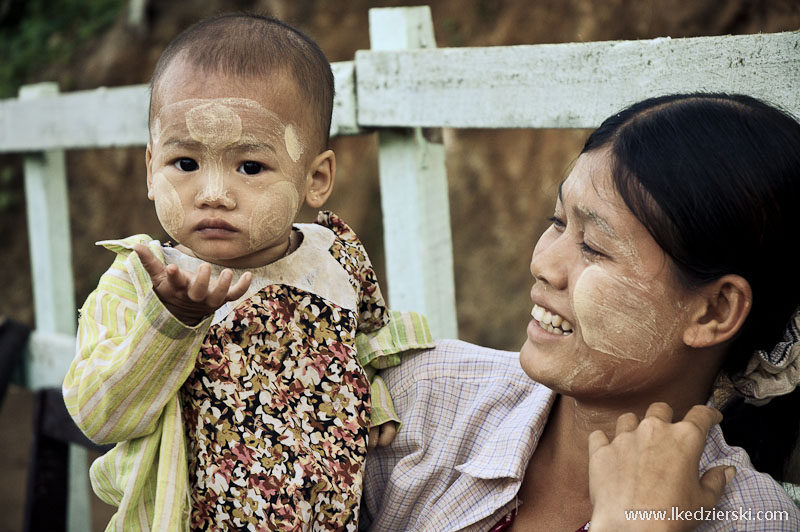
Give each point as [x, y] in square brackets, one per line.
[550, 321]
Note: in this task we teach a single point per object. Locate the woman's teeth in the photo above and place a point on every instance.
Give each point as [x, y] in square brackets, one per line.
[551, 322]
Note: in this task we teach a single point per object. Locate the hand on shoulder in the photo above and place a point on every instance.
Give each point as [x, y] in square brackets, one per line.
[653, 465]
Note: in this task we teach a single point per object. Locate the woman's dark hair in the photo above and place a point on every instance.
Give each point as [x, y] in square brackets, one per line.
[715, 178]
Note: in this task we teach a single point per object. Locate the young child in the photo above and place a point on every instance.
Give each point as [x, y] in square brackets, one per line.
[225, 367]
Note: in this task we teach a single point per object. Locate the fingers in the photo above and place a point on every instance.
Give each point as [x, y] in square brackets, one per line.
[382, 435]
[219, 292]
[714, 481]
[153, 266]
[176, 278]
[198, 288]
[372, 439]
[597, 439]
[661, 411]
[703, 417]
[387, 434]
[240, 287]
[627, 423]
[223, 291]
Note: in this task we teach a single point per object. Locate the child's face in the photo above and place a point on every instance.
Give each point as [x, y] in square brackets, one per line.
[228, 165]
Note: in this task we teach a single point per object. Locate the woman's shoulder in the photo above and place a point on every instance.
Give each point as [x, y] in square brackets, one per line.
[459, 359]
[455, 362]
[752, 500]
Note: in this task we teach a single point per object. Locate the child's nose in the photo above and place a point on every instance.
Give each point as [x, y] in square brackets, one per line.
[214, 192]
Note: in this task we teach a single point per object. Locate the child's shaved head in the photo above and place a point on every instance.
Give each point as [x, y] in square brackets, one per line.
[253, 46]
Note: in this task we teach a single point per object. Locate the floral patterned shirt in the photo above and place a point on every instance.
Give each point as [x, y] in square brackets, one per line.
[277, 408]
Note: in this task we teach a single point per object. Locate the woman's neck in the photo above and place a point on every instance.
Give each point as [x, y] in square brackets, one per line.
[559, 468]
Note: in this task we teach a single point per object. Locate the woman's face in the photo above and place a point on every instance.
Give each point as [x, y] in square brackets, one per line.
[607, 310]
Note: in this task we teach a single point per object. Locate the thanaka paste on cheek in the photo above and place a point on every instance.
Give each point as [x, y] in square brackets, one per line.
[616, 316]
[276, 212]
[168, 205]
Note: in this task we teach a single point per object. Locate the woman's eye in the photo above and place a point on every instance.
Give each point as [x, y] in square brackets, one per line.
[186, 164]
[251, 168]
[557, 222]
[590, 251]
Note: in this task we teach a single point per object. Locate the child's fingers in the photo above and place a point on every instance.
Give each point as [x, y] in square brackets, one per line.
[152, 265]
[198, 288]
[387, 434]
[176, 278]
[373, 437]
[218, 294]
[240, 287]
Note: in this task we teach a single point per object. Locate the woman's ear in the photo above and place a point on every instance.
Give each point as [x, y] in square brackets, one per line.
[320, 177]
[723, 306]
[148, 158]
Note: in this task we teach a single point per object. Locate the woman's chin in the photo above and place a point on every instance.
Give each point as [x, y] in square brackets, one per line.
[535, 363]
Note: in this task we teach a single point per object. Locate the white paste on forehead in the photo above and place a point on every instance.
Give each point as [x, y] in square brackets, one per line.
[214, 124]
[275, 214]
[168, 205]
[156, 133]
[616, 316]
[293, 145]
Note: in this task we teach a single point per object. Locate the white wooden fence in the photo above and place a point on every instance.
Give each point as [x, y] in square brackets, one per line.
[401, 85]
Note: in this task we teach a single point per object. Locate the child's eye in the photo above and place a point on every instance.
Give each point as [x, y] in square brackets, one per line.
[186, 164]
[250, 168]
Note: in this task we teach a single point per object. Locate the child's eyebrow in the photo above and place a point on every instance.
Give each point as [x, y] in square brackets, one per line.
[251, 146]
[236, 147]
[181, 143]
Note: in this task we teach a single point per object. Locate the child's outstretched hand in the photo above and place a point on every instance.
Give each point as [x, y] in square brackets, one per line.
[188, 296]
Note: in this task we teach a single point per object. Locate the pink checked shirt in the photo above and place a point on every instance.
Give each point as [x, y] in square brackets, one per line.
[471, 421]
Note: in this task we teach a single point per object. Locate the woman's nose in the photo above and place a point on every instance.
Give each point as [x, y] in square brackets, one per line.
[550, 260]
[214, 193]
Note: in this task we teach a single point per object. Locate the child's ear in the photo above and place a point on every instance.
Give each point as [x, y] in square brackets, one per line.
[722, 308]
[148, 159]
[320, 178]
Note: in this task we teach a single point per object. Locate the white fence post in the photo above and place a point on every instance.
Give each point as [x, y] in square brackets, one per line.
[53, 293]
[413, 178]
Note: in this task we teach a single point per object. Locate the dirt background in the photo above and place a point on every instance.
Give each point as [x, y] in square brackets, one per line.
[501, 182]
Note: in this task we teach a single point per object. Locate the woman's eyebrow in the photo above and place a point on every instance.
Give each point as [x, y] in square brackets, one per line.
[599, 221]
[585, 213]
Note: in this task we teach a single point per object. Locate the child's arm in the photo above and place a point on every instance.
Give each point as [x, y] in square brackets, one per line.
[132, 354]
[385, 347]
[383, 336]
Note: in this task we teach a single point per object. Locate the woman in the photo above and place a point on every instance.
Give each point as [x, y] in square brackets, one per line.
[666, 275]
